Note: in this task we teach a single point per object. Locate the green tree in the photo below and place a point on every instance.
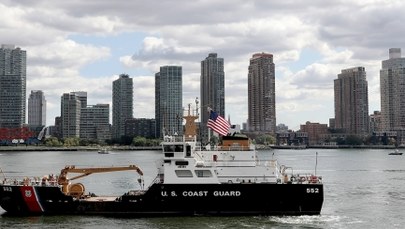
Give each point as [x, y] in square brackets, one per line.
[52, 142]
[72, 141]
[154, 142]
[139, 141]
[392, 141]
[265, 139]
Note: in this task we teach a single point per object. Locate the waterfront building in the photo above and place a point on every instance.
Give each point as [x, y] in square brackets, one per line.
[122, 104]
[142, 127]
[13, 67]
[95, 122]
[70, 115]
[261, 94]
[351, 101]
[212, 90]
[291, 138]
[316, 132]
[392, 86]
[36, 109]
[169, 101]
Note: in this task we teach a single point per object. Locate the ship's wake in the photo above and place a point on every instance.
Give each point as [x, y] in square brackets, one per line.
[319, 221]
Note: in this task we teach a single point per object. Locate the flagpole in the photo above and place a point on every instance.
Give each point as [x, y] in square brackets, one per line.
[208, 129]
[209, 136]
[316, 162]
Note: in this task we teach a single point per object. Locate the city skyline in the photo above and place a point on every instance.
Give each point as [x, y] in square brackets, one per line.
[86, 49]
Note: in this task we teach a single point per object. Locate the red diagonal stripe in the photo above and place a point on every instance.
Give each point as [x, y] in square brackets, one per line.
[30, 198]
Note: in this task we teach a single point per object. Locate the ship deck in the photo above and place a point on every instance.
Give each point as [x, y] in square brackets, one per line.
[100, 198]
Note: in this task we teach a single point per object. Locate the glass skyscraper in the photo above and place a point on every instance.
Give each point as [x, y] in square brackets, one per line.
[212, 90]
[13, 65]
[122, 104]
[169, 101]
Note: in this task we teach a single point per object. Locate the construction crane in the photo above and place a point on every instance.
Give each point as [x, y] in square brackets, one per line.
[78, 189]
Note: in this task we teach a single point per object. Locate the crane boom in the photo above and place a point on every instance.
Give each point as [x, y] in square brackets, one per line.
[64, 180]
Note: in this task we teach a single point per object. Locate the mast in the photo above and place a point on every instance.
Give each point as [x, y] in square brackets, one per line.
[190, 132]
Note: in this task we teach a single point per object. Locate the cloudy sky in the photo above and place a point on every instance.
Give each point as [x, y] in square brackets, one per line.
[80, 45]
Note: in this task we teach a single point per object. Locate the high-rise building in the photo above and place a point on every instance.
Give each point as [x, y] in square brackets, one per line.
[169, 101]
[13, 68]
[261, 94]
[70, 115]
[212, 90]
[82, 96]
[351, 101]
[95, 122]
[392, 86]
[36, 109]
[122, 104]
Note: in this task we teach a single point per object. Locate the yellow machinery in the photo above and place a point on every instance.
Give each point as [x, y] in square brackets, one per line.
[78, 189]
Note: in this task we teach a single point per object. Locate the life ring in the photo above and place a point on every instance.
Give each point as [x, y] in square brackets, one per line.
[314, 179]
[303, 179]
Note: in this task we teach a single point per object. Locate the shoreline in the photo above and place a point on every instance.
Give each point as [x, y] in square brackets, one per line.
[79, 148]
[303, 147]
[118, 148]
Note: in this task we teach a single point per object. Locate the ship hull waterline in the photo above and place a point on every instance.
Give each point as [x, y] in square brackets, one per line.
[170, 200]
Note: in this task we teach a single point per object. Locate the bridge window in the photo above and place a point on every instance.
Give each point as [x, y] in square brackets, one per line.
[173, 148]
[183, 173]
[181, 162]
[203, 173]
[178, 148]
[169, 148]
[169, 154]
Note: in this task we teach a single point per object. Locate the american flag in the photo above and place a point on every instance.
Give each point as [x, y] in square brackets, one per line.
[218, 124]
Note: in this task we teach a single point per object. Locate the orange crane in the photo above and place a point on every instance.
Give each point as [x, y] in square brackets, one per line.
[78, 189]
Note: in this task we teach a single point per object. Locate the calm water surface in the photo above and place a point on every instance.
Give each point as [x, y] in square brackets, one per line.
[363, 189]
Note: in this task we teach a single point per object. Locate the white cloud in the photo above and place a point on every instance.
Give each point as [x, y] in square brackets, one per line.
[65, 53]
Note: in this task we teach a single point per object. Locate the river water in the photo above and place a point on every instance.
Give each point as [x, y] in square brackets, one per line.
[364, 188]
